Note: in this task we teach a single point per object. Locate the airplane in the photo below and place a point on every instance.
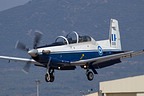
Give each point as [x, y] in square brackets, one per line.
[72, 50]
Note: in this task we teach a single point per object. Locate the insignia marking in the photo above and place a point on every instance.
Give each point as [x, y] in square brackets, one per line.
[100, 51]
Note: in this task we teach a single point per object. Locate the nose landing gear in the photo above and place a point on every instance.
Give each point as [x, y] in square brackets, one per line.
[49, 77]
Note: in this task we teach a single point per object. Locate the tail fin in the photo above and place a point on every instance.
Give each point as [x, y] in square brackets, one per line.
[114, 35]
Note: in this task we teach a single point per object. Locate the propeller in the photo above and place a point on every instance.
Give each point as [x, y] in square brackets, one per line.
[37, 39]
[26, 68]
[21, 46]
[33, 52]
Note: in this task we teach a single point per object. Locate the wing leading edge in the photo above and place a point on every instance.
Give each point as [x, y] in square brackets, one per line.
[16, 59]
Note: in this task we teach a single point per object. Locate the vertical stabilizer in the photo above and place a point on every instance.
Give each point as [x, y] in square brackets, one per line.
[114, 35]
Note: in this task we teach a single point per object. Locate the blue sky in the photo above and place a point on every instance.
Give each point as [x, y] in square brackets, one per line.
[6, 4]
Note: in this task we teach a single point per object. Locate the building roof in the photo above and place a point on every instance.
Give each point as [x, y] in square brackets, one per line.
[125, 85]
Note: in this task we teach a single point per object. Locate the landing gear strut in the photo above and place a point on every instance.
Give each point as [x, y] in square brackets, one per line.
[49, 77]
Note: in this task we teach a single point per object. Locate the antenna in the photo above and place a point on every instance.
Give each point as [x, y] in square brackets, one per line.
[37, 84]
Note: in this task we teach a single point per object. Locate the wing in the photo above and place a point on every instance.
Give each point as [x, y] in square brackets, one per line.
[16, 59]
[99, 60]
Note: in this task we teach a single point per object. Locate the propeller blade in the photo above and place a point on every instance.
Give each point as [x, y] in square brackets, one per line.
[21, 46]
[26, 68]
[33, 52]
[37, 39]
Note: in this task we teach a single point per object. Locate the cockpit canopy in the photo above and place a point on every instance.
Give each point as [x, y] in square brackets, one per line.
[72, 38]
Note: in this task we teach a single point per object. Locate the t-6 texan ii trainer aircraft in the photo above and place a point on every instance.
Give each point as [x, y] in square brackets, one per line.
[72, 50]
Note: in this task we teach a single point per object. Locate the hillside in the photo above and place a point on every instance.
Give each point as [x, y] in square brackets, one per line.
[57, 17]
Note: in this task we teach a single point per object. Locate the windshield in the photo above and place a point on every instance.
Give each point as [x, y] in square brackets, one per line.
[61, 39]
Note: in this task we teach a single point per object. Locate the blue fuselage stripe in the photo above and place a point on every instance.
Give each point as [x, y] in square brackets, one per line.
[75, 56]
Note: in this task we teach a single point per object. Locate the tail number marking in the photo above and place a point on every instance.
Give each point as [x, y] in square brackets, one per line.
[113, 37]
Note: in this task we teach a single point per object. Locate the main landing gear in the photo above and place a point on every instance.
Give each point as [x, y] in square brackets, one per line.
[90, 75]
[49, 77]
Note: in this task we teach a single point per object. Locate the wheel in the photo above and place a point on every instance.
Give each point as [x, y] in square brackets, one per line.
[52, 78]
[90, 76]
[49, 78]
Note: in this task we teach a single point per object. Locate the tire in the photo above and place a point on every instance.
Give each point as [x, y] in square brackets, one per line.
[49, 79]
[90, 76]
[52, 78]
[46, 78]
